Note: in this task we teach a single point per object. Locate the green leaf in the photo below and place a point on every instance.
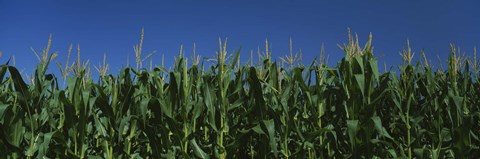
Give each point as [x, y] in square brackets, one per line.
[360, 78]
[3, 108]
[352, 128]
[198, 150]
[270, 126]
[381, 130]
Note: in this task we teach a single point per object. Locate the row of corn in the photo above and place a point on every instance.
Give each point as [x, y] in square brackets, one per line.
[233, 110]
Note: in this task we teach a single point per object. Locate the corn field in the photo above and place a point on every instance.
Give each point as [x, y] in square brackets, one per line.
[266, 109]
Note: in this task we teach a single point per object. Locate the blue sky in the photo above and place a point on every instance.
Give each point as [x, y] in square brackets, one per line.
[114, 27]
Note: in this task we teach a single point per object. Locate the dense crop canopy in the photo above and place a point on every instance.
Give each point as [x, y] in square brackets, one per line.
[230, 110]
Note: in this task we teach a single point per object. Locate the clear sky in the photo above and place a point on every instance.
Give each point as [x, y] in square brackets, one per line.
[114, 27]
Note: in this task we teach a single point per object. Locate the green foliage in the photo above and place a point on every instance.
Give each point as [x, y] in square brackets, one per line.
[233, 111]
